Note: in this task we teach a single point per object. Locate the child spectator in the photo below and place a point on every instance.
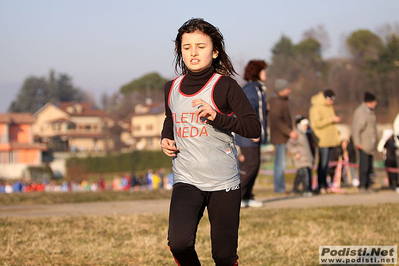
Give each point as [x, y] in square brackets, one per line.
[303, 158]
[117, 183]
[168, 181]
[17, 186]
[126, 182]
[342, 152]
[134, 181]
[8, 188]
[351, 172]
[388, 145]
[335, 154]
[2, 188]
[156, 180]
[65, 186]
[148, 179]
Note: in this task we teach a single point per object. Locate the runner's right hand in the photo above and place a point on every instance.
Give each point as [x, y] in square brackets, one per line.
[168, 147]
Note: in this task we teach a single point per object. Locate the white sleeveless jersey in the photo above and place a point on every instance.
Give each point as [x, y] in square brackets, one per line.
[207, 157]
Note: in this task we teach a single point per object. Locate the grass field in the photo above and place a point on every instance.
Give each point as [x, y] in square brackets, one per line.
[266, 237]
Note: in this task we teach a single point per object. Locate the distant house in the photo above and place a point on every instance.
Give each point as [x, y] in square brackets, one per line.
[17, 148]
[72, 126]
[126, 135]
[147, 123]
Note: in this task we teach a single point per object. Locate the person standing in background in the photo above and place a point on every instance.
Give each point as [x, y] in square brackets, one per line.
[396, 126]
[303, 157]
[280, 130]
[323, 122]
[364, 133]
[352, 163]
[388, 145]
[255, 90]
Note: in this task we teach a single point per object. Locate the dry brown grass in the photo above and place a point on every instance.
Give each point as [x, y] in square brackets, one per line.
[267, 237]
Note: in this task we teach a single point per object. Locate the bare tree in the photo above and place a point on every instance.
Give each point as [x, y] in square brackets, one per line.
[387, 30]
[320, 34]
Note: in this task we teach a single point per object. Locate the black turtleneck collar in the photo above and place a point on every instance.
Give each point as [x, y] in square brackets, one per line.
[194, 81]
[204, 74]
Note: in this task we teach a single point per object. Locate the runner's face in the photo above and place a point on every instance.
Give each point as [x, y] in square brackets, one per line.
[197, 51]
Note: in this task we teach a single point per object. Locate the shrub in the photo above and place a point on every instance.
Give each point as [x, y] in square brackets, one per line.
[136, 161]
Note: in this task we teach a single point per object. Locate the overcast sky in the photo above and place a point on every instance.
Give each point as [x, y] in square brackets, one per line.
[106, 44]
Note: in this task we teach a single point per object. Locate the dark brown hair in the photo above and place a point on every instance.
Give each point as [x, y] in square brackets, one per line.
[222, 63]
[253, 68]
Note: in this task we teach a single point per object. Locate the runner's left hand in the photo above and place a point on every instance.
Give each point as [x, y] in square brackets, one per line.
[204, 110]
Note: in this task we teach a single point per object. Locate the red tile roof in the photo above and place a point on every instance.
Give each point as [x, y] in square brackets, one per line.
[17, 145]
[58, 120]
[17, 118]
[83, 135]
[87, 109]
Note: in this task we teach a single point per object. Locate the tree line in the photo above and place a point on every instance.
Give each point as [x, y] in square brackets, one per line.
[372, 65]
[37, 91]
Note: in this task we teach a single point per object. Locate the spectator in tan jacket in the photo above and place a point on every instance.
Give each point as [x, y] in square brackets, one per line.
[323, 122]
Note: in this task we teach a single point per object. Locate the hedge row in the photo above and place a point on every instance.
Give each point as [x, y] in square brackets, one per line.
[137, 161]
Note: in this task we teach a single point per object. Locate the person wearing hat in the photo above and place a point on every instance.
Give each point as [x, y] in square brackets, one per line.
[364, 134]
[280, 130]
[303, 157]
[323, 122]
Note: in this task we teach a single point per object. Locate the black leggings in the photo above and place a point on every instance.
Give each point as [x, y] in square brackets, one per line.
[249, 169]
[186, 210]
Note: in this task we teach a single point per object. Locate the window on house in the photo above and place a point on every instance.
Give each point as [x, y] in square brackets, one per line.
[2, 157]
[10, 157]
[71, 126]
[3, 138]
[149, 127]
[149, 142]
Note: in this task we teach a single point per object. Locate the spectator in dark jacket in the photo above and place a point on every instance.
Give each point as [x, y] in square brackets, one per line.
[255, 90]
[280, 130]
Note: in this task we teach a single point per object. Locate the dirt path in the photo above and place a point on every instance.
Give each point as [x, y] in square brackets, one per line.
[162, 206]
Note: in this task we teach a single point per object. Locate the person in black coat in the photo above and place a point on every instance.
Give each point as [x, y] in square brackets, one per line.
[391, 148]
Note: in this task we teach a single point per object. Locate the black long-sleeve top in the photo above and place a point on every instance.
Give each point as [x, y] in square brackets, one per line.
[228, 97]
